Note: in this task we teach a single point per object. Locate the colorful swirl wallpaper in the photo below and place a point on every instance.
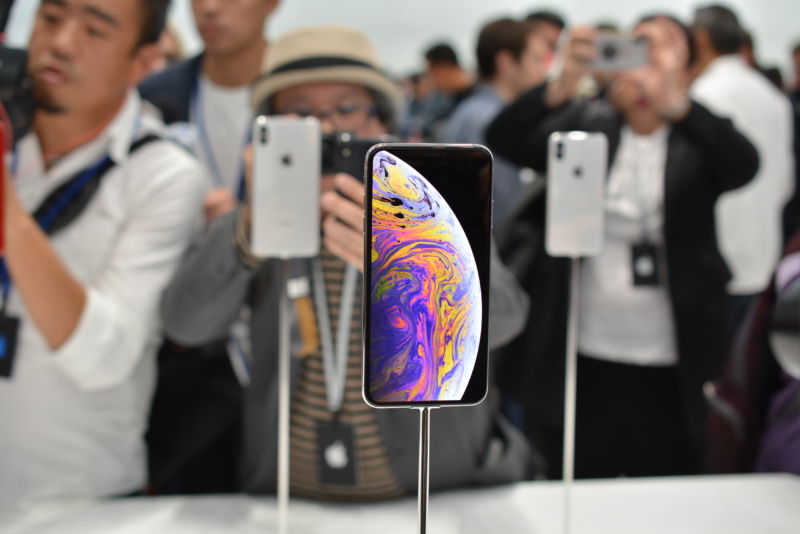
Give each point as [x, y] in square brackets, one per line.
[426, 307]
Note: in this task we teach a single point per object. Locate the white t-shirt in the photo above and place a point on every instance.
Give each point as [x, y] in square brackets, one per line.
[222, 129]
[73, 419]
[749, 218]
[618, 321]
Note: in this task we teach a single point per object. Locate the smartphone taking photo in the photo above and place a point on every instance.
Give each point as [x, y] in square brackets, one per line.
[285, 200]
[426, 275]
[617, 52]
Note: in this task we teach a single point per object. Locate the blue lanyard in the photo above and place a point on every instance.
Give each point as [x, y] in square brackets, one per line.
[47, 219]
[197, 114]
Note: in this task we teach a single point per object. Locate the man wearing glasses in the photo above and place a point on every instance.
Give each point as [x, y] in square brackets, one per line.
[343, 451]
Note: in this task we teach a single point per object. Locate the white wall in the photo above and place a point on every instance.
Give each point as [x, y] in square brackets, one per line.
[402, 29]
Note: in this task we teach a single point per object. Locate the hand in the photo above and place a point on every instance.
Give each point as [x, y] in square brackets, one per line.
[577, 56]
[343, 225]
[665, 80]
[218, 201]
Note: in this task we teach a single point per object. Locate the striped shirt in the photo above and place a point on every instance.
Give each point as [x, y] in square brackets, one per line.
[374, 479]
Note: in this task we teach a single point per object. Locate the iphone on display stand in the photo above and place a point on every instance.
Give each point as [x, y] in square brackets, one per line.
[285, 199]
[576, 173]
[574, 228]
[285, 224]
[426, 281]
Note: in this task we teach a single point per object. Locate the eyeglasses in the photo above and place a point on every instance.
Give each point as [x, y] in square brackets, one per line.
[342, 115]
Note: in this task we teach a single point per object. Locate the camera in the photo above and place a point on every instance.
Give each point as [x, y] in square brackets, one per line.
[16, 88]
[344, 152]
[616, 53]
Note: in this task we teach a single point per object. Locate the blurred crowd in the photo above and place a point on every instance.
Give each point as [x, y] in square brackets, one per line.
[139, 331]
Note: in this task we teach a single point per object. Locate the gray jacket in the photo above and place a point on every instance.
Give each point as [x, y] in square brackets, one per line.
[469, 445]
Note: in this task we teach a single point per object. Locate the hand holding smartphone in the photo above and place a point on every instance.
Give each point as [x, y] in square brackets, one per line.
[576, 171]
[426, 275]
[285, 191]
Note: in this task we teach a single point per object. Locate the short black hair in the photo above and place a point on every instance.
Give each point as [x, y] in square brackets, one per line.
[722, 25]
[687, 33]
[441, 54]
[549, 17]
[496, 36]
[154, 19]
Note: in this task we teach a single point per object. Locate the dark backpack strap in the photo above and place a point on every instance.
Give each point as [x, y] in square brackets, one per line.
[78, 203]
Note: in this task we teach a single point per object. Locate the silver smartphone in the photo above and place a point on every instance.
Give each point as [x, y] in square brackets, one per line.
[427, 225]
[617, 52]
[576, 172]
[285, 194]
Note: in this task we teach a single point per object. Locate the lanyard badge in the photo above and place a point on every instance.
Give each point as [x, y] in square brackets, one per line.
[9, 326]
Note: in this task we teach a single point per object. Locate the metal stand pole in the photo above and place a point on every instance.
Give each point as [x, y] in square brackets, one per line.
[570, 390]
[423, 489]
[283, 404]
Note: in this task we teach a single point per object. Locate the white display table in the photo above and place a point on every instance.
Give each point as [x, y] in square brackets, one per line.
[746, 504]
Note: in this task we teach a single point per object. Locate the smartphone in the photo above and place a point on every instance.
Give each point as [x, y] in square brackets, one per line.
[617, 52]
[576, 172]
[427, 223]
[344, 152]
[285, 199]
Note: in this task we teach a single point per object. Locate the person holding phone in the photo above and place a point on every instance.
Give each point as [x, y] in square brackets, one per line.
[652, 322]
[99, 208]
[340, 449]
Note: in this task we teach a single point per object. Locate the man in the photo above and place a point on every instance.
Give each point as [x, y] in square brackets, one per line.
[206, 102]
[97, 214]
[647, 340]
[452, 84]
[748, 219]
[511, 59]
[205, 99]
[549, 26]
[331, 73]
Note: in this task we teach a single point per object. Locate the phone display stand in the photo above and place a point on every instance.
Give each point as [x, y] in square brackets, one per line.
[284, 399]
[423, 486]
[570, 388]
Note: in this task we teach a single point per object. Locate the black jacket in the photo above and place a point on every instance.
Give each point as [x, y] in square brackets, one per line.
[705, 157]
[171, 89]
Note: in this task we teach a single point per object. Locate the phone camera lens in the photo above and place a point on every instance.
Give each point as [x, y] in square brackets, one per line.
[263, 135]
[609, 51]
[578, 172]
[560, 150]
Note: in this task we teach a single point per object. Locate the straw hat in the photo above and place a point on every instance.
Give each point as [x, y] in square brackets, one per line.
[323, 54]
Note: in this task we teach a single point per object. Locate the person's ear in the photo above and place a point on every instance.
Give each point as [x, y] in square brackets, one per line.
[143, 60]
[702, 39]
[504, 62]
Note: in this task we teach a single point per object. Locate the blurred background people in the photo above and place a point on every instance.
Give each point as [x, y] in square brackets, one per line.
[549, 25]
[206, 102]
[205, 99]
[748, 52]
[749, 222]
[170, 48]
[646, 343]
[332, 73]
[98, 212]
[452, 83]
[511, 59]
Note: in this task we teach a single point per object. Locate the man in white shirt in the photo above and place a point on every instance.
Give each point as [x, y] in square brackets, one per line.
[205, 100]
[748, 218]
[98, 211]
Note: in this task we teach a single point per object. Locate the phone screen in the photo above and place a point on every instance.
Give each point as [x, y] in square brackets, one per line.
[428, 231]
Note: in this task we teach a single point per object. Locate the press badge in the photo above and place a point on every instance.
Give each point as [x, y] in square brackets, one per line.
[644, 264]
[8, 344]
[336, 445]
